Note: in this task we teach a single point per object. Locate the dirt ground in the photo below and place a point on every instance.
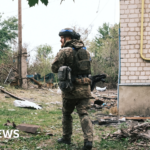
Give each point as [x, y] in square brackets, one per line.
[49, 119]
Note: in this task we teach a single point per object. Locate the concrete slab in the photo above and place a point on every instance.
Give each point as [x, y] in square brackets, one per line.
[134, 100]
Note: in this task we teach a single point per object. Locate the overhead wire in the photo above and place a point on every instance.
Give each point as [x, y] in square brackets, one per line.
[98, 14]
[98, 7]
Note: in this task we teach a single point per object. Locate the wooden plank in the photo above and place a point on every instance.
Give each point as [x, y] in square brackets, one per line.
[17, 98]
[136, 118]
[38, 83]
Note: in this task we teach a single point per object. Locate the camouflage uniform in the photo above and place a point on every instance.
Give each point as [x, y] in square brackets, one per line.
[78, 98]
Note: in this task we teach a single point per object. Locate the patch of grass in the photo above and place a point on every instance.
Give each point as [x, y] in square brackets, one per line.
[49, 118]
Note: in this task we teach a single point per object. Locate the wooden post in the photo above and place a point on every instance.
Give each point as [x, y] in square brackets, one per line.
[22, 53]
[19, 41]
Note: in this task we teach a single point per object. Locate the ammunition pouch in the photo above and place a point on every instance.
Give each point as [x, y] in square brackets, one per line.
[82, 80]
[64, 77]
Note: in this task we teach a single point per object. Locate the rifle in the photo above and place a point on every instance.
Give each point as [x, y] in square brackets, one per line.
[96, 79]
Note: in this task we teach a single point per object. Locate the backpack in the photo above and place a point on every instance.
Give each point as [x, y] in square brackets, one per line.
[82, 64]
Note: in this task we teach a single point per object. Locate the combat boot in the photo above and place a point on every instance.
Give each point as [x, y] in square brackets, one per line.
[64, 141]
[87, 145]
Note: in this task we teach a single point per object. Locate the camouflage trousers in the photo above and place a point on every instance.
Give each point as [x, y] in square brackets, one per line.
[86, 124]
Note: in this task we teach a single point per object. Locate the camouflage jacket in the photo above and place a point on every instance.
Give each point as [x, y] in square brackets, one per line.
[65, 57]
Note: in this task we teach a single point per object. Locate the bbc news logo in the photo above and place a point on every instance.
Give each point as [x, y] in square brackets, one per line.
[9, 133]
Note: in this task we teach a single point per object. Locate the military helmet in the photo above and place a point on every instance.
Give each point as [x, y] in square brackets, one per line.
[69, 32]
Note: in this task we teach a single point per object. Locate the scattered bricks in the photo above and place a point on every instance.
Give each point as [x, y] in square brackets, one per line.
[28, 128]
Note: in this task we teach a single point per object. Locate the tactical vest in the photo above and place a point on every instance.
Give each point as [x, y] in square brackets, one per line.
[81, 63]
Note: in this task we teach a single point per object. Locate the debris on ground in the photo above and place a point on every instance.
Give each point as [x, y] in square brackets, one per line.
[11, 109]
[100, 89]
[28, 128]
[4, 91]
[115, 120]
[7, 96]
[133, 133]
[104, 101]
[23, 127]
[51, 91]
[56, 103]
[59, 91]
[49, 134]
[10, 124]
[35, 81]
[26, 104]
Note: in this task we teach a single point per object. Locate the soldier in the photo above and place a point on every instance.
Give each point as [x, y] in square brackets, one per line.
[73, 54]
